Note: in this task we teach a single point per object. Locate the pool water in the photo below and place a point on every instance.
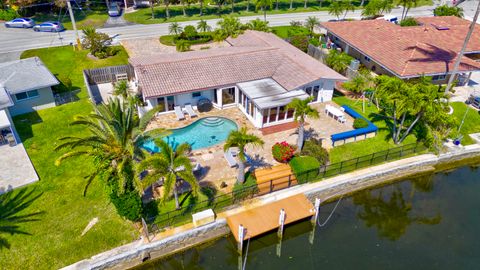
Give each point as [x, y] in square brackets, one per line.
[204, 132]
[421, 223]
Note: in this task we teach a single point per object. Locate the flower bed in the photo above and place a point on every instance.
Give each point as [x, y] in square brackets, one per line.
[283, 152]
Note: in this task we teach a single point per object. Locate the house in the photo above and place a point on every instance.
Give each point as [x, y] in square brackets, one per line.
[429, 49]
[259, 73]
[25, 86]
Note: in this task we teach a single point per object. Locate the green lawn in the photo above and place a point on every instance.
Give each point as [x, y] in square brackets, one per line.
[380, 142]
[144, 16]
[471, 123]
[56, 239]
[288, 31]
[95, 18]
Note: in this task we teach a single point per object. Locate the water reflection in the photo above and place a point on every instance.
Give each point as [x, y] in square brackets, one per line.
[389, 212]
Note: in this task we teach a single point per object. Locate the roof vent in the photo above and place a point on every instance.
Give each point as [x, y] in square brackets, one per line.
[440, 28]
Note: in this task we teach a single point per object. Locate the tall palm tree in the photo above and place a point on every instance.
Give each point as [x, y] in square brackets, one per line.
[175, 28]
[240, 139]
[462, 50]
[116, 134]
[233, 6]
[311, 23]
[302, 111]
[203, 26]
[336, 9]
[182, 2]
[167, 11]
[12, 204]
[407, 5]
[263, 4]
[305, 4]
[171, 165]
[201, 7]
[348, 6]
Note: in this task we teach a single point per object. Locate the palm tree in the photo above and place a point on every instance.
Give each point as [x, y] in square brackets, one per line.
[11, 205]
[116, 134]
[311, 23]
[338, 61]
[171, 165]
[258, 25]
[201, 7]
[175, 28]
[182, 2]
[348, 6]
[302, 111]
[121, 89]
[203, 26]
[167, 11]
[240, 139]
[263, 4]
[248, 5]
[230, 26]
[407, 5]
[233, 5]
[219, 5]
[305, 4]
[291, 4]
[336, 9]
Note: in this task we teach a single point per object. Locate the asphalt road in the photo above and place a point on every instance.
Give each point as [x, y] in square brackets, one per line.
[14, 40]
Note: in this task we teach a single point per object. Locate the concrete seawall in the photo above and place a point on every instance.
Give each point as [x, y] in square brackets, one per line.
[184, 237]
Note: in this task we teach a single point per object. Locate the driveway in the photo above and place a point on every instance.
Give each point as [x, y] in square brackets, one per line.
[116, 21]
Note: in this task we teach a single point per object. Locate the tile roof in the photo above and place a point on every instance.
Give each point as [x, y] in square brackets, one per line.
[411, 51]
[253, 55]
[24, 75]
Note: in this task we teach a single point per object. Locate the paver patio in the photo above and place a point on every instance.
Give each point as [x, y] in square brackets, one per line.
[16, 169]
[216, 169]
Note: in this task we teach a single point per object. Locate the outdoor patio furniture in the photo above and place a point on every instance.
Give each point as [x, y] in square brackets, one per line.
[230, 158]
[179, 113]
[11, 139]
[204, 105]
[190, 111]
[335, 113]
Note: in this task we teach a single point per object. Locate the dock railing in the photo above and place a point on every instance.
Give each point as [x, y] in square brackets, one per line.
[227, 200]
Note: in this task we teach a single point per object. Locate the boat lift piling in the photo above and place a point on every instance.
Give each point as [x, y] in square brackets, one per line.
[281, 223]
[314, 220]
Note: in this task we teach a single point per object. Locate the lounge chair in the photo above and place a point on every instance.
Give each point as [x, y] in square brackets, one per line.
[229, 157]
[190, 111]
[179, 113]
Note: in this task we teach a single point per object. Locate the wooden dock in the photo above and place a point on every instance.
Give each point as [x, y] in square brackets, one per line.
[274, 178]
[265, 218]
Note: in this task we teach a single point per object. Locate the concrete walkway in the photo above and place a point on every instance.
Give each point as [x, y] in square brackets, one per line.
[16, 169]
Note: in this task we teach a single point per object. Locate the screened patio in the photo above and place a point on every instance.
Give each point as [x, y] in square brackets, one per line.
[264, 102]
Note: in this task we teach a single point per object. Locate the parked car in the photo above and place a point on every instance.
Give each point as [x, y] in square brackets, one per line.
[49, 27]
[114, 9]
[20, 23]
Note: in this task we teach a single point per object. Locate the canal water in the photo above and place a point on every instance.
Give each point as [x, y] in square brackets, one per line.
[429, 222]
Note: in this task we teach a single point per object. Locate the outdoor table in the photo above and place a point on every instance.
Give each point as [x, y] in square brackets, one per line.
[335, 112]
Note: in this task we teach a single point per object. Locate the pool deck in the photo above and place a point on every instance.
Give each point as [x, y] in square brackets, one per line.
[215, 167]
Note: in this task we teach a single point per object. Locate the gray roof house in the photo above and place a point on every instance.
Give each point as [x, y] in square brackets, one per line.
[25, 86]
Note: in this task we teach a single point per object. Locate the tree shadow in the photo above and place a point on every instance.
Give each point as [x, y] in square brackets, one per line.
[12, 204]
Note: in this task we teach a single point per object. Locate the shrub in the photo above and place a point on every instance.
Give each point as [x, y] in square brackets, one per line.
[314, 149]
[283, 152]
[128, 204]
[296, 23]
[249, 187]
[300, 41]
[189, 32]
[97, 43]
[446, 10]
[360, 123]
[7, 15]
[314, 41]
[182, 45]
[409, 21]
[305, 168]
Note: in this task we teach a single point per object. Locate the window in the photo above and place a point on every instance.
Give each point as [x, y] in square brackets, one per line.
[367, 59]
[228, 95]
[26, 95]
[439, 77]
[196, 94]
[161, 104]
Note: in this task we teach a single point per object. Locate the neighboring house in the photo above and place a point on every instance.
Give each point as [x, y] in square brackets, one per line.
[260, 74]
[429, 49]
[25, 86]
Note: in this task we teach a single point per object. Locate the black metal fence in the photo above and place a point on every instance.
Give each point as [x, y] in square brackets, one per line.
[223, 201]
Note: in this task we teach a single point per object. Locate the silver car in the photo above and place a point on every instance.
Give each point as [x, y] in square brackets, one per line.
[48, 27]
[20, 23]
[114, 9]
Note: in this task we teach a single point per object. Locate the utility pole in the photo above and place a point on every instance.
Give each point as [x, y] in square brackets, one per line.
[72, 18]
[462, 51]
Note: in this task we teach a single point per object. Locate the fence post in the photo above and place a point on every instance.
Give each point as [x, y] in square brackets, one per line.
[271, 186]
[386, 156]
[341, 166]
[356, 164]
[289, 180]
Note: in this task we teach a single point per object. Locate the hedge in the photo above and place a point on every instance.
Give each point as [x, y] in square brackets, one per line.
[304, 168]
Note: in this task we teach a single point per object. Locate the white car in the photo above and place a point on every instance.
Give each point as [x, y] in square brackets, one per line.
[20, 23]
[114, 9]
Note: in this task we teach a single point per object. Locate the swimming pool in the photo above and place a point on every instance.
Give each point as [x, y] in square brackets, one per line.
[204, 132]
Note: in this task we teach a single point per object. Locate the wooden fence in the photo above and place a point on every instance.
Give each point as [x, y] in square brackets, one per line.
[92, 77]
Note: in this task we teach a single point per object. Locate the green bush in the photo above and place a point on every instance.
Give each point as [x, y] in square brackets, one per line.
[446, 10]
[300, 41]
[314, 41]
[7, 15]
[360, 123]
[305, 168]
[189, 32]
[314, 149]
[283, 152]
[182, 45]
[128, 204]
[409, 21]
[249, 187]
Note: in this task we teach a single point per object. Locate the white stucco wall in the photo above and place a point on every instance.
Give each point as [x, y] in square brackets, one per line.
[44, 100]
[326, 89]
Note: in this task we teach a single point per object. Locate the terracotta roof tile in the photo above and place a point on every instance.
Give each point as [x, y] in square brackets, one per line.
[253, 56]
[411, 51]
